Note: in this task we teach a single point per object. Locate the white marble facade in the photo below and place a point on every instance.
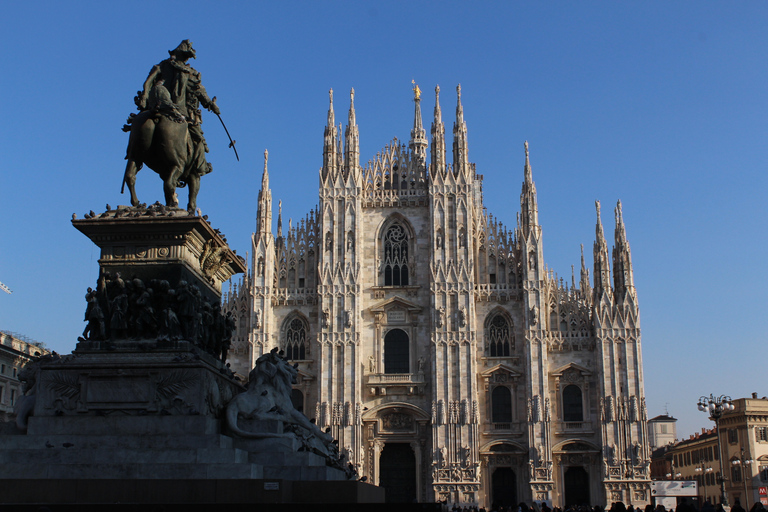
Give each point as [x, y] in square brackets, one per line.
[432, 340]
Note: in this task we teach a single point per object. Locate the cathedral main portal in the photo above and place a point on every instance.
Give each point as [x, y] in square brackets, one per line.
[397, 467]
[576, 480]
[503, 487]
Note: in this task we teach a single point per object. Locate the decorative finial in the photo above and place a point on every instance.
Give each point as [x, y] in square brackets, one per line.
[458, 91]
[526, 149]
[352, 94]
[437, 91]
[330, 95]
[266, 156]
[416, 91]
[597, 207]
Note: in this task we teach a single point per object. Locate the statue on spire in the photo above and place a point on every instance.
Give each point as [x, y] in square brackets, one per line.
[416, 91]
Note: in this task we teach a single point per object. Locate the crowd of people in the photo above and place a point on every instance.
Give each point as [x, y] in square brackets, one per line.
[683, 505]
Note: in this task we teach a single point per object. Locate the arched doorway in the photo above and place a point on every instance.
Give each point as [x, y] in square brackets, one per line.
[576, 480]
[503, 487]
[397, 470]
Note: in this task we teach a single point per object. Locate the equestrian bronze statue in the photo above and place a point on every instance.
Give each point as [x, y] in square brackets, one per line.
[166, 134]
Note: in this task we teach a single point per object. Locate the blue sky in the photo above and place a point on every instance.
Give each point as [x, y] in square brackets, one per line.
[660, 104]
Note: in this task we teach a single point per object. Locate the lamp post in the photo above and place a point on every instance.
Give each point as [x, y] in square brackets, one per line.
[716, 406]
[745, 465]
[703, 471]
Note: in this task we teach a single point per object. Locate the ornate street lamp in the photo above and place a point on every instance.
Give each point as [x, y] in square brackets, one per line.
[745, 466]
[703, 470]
[716, 406]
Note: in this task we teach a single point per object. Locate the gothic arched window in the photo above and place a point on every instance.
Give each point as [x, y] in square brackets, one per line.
[396, 256]
[573, 409]
[501, 405]
[396, 349]
[499, 337]
[296, 340]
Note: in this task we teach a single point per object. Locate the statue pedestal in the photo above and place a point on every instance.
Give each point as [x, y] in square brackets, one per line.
[162, 243]
[135, 413]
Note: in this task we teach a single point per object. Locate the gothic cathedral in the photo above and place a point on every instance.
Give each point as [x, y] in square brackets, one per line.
[432, 340]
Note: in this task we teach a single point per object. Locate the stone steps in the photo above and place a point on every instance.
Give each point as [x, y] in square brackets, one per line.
[303, 473]
[108, 455]
[148, 442]
[123, 425]
[101, 471]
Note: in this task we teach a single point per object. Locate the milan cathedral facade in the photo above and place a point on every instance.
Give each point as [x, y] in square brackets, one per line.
[432, 340]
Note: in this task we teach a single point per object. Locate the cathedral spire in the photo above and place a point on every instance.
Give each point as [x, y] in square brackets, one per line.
[264, 211]
[438, 137]
[584, 276]
[529, 208]
[623, 280]
[352, 139]
[602, 269]
[280, 219]
[330, 142]
[418, 143]
[460, 158]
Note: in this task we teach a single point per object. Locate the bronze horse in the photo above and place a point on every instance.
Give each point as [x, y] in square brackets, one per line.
[166, 147]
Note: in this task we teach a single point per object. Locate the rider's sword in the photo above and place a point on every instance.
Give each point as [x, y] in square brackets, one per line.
[231, 142]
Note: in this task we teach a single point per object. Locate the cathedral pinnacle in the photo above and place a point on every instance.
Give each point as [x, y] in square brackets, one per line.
[623, 280]
[460, 157]
[459, 106]
[438, 137]
[599, 235]
[529, 208]
[602, 270]
[527, 170]
[418, 142]
[330, 142]
[265, 175]
[621, 234]
[264, 212]
[352, 139]
[584, 276]
[280, 219]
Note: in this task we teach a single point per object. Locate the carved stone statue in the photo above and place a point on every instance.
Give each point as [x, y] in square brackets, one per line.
[350, 241]
[268, 397]
[371, 364]
[28, 376]
[95, 329]
[326, 318]
[166, 133]
[440, 317]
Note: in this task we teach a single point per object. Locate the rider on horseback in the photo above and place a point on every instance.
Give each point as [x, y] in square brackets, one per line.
[174, 89]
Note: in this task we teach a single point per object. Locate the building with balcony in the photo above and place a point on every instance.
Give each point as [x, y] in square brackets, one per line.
[15, 353]
[744, 442]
